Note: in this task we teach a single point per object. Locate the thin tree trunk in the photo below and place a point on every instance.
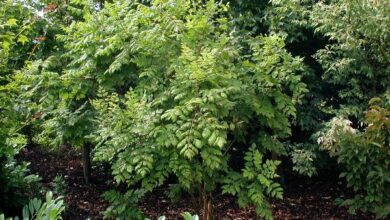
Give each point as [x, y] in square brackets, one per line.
[207, 207]
[87, 162]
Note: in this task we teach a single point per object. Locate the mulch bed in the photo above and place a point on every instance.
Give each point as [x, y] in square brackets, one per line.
[303, 198]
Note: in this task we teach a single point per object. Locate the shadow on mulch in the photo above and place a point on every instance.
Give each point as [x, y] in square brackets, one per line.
[303, 199]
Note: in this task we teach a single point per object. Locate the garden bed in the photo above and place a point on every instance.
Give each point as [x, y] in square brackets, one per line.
[303, 198]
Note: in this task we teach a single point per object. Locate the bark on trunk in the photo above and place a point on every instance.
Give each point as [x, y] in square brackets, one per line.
[207, 207]
[87, 163]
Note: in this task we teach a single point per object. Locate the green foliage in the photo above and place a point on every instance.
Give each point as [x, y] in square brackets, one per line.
[185, 215]
[27, 33]
[303, 161]
[15, 32]
[15, 179]
[249, 15]
[21, 83]
[35, 82]
[15, 182]
[60, 186]
[180, 89]
[193, 84]
[23, 37]
[255, 182]
[365, 161]
[188, 216]
[357, 59]
[350, 47]
[289, 18]
[354, 59]
[51, 209]
[124, 206]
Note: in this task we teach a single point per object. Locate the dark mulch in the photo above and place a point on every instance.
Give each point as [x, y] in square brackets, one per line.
[82, 200]
[303, 198]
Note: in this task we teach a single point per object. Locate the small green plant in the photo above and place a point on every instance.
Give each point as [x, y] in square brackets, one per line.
[189, 216]
[123, 205]
[51, 209]
[185, 215]
[59, 185]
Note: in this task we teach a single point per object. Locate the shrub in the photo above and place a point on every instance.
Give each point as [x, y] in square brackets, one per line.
[16, 183]
[364, 158]
[185, 215]
[15, 180]
[51, 209]
[189, 91]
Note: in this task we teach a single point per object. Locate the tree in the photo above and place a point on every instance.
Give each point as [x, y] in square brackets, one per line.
[357, 58]
[40, 82]
[15, 48]
[179, 89]
[347, 40]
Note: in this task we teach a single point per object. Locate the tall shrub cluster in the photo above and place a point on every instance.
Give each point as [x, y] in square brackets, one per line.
[15, 30]
[25, 37]
[192, 90]
[365, 160]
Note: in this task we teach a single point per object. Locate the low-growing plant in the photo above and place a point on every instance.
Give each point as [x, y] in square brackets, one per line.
[59, 185]
[185, 215]
[15, 182]
[50, 209]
